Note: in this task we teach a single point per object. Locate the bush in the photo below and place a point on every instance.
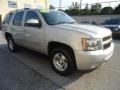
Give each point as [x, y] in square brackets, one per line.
[116, 10]
[73, 11]
[106, 11]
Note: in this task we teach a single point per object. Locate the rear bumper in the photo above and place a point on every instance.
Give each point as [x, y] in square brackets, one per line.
[92, 59]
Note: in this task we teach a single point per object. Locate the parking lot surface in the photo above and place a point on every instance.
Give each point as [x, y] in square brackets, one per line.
[28, 70]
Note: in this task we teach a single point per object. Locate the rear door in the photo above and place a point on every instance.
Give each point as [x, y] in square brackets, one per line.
[17, 28]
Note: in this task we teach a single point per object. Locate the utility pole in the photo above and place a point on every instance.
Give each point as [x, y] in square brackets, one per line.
[46, 3]
[80, 4]
[109, 3]
[60, 5]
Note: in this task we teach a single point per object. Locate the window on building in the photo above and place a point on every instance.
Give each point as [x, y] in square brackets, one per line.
[27, 6]
[18, 18]
[12, 4]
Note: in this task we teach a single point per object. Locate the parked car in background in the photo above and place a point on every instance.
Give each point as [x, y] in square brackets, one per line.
[114, 25]
[69, 45]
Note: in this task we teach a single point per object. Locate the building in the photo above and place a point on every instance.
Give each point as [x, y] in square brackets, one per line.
[9, 5]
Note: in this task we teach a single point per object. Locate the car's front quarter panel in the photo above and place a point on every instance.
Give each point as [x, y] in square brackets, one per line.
[68, 37]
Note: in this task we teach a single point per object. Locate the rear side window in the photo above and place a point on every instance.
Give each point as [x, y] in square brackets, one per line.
[18, 18]
[8, 18]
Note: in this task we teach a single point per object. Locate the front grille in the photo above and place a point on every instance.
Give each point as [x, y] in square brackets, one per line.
[107, 42]
[107, 38]
[107, 45]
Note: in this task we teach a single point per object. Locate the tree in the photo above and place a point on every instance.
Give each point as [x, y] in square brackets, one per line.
[106, 11]
[68, 11]
[95, 9]
[74, 9]
[116, 10]
[87, 7]
[51, 7]
[73, 5]
[76, 5]
[85, 11]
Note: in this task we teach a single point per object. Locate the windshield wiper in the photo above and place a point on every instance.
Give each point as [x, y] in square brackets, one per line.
[65, 22]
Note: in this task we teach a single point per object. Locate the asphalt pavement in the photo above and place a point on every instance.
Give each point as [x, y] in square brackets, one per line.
[28, 70]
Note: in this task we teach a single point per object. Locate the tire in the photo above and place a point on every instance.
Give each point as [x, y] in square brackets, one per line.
[11, 44]
[61, 57]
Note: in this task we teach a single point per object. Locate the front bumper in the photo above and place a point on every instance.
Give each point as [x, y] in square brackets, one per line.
[86, 60]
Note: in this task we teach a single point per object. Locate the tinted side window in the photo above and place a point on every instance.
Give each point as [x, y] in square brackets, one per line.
[31, 15]
[8, 18]
[18, 18]
[113, 21]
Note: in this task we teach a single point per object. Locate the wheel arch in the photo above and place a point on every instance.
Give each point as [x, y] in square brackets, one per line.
[53, 44]
[7, 34]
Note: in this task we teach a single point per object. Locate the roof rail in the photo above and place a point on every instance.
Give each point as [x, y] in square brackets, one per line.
[19, 10]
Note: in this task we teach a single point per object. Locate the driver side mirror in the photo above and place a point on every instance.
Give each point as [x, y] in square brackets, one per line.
[33, 23]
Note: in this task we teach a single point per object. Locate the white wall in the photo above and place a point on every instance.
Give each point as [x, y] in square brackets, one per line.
[96, 18]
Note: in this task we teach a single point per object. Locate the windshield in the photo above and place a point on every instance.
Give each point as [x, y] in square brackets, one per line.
[56, 17]
[113, 22]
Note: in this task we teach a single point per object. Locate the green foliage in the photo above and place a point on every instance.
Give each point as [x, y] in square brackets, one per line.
[84, 12]
[73, 11]
[116, 10]
[106, 11]
[51, 7]
[95, 9]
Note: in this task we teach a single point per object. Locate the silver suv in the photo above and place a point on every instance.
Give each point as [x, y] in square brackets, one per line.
[71, 46]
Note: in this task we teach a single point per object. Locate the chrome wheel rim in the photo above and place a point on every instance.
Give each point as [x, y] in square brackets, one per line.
[11, 44]
[60, 62]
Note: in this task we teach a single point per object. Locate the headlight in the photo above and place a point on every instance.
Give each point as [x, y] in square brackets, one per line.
[91, 44]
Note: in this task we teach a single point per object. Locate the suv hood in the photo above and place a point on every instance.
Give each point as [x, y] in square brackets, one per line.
[93, 30]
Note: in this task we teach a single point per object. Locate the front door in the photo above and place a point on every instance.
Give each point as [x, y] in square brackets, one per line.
[34, 34]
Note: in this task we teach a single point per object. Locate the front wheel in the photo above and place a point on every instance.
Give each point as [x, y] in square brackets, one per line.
[62, 62]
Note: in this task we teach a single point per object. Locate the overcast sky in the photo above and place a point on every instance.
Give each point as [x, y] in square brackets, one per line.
[68, 2]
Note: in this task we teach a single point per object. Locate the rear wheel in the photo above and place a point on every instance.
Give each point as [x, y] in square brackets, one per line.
[62, 61]
[11, 44]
